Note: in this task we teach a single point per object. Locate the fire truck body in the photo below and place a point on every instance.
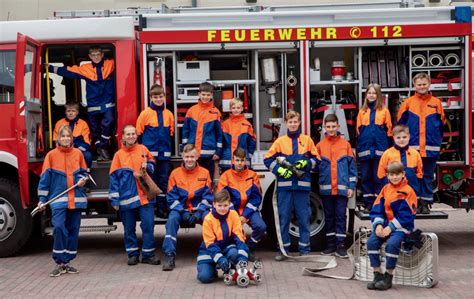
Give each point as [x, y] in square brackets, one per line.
[275, 59]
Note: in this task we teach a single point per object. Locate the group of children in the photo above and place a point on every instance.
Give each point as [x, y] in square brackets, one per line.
[189, 191]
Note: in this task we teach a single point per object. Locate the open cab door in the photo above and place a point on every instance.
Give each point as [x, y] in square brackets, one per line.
[28, 118]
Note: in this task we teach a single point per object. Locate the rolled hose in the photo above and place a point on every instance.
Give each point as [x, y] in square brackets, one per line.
[436, 60]
[419, 60]
[452, 59]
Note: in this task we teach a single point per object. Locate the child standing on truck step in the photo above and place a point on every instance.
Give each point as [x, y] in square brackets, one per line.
[237, 133]
[64, 167]
[100, 94]
[155, 126]
[243, 186]
[80, 130]
[337, 182]
[223, 243]
[392, 217]
[298, 152]
[127, 197]
[202, 128]
[189, 199]
[374, 125]
[401, 152]
[424, 116]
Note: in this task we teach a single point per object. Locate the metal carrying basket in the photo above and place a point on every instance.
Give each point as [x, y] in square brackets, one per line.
[418, 267]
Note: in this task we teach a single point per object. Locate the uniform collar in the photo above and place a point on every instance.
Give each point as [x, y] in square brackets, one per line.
[129, 149]
[239, 173]
[294, 134]
[72, 121]
[403, 183]
[423, 97]
[157, 108]
[333, 138]
[236, 117]
[190, 171]
[64, 149]
[371, 105]
[100, 64]
[207, 105]
[405, 148]
[219, 216]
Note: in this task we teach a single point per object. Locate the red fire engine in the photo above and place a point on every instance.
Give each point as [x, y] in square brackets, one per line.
[311, 59]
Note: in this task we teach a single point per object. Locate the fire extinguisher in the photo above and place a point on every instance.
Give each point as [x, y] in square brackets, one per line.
[246, 99]
[291, 81]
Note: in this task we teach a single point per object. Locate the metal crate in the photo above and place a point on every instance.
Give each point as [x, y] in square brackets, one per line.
[416, 268]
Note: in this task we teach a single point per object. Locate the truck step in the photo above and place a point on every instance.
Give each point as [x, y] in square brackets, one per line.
[432, 215]
[98, 228]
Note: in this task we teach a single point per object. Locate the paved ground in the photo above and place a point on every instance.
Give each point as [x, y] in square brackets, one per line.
[104, 273]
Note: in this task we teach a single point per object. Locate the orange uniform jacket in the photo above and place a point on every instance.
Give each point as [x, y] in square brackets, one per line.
[337, 169]
[411, 161]
[124, 190]
[81, 133]
[237, 132]
[202, 127]
[244, 190]
[373, 127]
[189, 189]
[424, 116]
[395, 207]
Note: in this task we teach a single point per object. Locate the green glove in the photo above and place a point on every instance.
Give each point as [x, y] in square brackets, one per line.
[301, 164]
[285, 173]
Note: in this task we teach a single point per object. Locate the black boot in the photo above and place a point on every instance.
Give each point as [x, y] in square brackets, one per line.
[377, 277]
[425, 207]
[168, 264]
[103, 154]
[385, 283]
[133, 260]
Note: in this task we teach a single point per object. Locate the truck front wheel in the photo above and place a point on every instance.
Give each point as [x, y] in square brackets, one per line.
[318, 238]
[15, 222]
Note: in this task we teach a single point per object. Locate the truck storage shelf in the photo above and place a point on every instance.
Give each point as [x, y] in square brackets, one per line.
[193, 101]
[431, 215]
[394, 89]
[444, 86]
[219, 82]
[335, 82]
[437, 68]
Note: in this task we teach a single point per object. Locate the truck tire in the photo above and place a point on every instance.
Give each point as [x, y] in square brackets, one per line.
[318, 237]
[15, 222]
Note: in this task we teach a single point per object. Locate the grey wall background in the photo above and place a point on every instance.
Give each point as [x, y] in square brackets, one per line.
[42, 9]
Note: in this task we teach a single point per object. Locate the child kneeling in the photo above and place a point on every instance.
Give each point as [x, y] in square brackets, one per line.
[392, 217]
[224, 242]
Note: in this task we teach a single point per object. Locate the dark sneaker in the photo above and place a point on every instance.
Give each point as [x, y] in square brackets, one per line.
[154, 260]
[329, 251]
[168, 264]
[60, 269]
[377, 277]
[70, 269]
[342, 253]
[385, 283]
[280, 257]
[133, 260]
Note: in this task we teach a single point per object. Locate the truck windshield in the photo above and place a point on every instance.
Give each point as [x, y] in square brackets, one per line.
[7, 76]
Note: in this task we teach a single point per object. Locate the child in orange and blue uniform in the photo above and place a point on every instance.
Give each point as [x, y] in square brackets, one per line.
[130, 200]
[64, 167]
[337, 182]
[202, 128]
[223, 240]
[238, 133]
[155, 126]
[374, 125]
[401, 152]
[100, 94]
[293, 191]
[392, 217]
[424, 115]
[243, 186]
[80, 130]
[189, 199]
